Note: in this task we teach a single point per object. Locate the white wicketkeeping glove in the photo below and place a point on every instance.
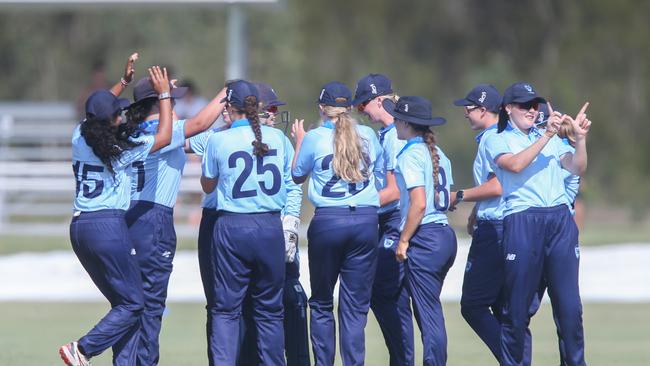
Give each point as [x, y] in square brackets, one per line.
[290, 226]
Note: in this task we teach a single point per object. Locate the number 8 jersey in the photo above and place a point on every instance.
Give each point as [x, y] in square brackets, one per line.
[415, 169]
[247, 183]
[96, 188]
[326, 189]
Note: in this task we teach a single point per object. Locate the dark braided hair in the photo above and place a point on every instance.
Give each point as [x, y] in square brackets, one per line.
[430, 140]
[106, 140]
[251, 109]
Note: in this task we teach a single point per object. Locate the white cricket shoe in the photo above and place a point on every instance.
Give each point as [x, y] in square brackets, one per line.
[71, 355]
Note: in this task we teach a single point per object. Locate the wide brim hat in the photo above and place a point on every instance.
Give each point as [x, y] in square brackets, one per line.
[412, 111]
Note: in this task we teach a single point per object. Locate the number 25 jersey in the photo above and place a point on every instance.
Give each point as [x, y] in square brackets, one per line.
[247, 183]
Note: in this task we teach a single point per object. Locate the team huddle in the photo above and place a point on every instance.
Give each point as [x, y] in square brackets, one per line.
[380, 227]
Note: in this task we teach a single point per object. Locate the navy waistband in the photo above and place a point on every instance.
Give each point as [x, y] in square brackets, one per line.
[150, 205]
[98, 214]
[210, 211]
[346, 210]
[229, 213]
[545, 210]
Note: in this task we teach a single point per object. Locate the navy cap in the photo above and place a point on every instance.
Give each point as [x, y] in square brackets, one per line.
[483, 95]
[143, 89]
[333, 91]
[370, 87]
[517, 93]
[237, 92]
[103, 104]
[412, 109]
[268, 97]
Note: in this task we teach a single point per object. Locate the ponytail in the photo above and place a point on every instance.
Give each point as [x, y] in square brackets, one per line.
[430, 140]
[566, 131]
[348, 147]
[251, 109]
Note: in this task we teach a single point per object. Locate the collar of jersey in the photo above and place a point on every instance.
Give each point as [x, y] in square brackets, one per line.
[480, 135]
[148, 124]
[240, 123]
[411, 141]
[329, 124]
[384, 130]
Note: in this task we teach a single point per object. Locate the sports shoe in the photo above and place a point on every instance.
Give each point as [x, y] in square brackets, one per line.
[71, 355]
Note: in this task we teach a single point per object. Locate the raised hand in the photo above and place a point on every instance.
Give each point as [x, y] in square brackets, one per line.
[298, 130]
[158, 79]
[581, 123]
[554, 121]
[129, 70]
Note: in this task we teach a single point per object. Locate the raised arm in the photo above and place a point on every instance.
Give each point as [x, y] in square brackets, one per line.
[206, 117]
[129, 71]
[160, 83]
[576, 163]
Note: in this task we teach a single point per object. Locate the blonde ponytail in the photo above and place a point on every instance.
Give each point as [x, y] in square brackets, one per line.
[349, 163]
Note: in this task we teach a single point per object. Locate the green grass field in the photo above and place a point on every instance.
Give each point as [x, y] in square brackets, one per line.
[616, 334]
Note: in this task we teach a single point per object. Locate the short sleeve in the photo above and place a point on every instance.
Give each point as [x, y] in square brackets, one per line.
[139, 152]
[496, 146]
[305, 160]
[209, 164]
[412, 168]
[178, 137]
[198, 142]
[563, 146]
[390, 154]
[378, 152]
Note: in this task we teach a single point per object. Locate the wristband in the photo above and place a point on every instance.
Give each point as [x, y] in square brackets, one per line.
[164, 95]
[124, 82]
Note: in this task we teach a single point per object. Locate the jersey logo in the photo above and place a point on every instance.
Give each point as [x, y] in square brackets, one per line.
[483, 96]
[388, 243]
[511, 257]
[373, 88]
[577, 249]
[468, 266]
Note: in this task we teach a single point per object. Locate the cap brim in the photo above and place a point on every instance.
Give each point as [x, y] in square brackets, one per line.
[123, 103]
[389, 106]
[178, 92]
[463, 102]
[527, 99]
[276, 103]
[361, 98]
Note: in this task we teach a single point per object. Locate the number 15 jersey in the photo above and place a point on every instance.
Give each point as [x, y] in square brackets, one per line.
[326, 189]
[247, 183]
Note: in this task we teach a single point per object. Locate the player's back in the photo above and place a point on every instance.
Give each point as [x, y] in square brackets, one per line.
[248, 183]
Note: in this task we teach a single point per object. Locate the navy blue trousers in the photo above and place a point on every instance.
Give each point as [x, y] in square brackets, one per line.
[206, 267]
[296, 335]
[248, 255]
[390, 299]
[342, 245]
[541, 243]
[151, 227]
[432, 251]
[101, 242]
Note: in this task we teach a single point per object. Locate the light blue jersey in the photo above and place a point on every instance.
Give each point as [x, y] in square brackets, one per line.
[415, 169]
[247, 183]
[391, 146]
[490, 209]
[96, 188]
[326, 189]
[571, 182]
[198, 144]
[540, 184]
[158, 178]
